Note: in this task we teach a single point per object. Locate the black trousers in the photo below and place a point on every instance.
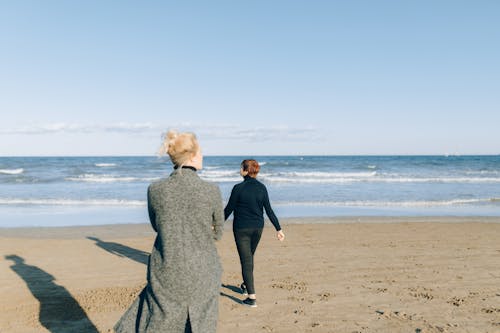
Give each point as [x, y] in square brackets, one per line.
[187, 329]
[246, 243]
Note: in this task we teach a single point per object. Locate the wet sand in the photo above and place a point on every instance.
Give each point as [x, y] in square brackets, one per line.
[329, 275]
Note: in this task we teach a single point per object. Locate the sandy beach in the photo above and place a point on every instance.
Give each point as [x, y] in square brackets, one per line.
[329, 275]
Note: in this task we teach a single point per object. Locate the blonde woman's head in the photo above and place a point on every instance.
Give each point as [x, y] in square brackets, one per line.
[183, 148]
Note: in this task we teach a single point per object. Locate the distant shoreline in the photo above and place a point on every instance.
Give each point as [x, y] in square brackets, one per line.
[134, 229]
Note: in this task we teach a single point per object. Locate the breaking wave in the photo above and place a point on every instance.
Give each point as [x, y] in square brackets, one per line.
[12, 171]
[92, 178]
[72, 202]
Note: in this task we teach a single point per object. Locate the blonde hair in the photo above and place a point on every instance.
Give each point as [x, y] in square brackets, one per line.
[179, 146]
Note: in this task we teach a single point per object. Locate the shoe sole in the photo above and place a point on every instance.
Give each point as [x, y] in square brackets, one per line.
[250, 306]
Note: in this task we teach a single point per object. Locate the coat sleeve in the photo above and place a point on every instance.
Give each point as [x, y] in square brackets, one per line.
[151, 211]
[218, 214]
[270, 212]
[231, 204]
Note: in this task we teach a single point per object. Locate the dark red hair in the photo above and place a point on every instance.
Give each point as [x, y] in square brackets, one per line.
[251, 166]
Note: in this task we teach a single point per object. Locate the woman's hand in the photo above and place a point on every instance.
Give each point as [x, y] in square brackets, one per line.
[280, 235]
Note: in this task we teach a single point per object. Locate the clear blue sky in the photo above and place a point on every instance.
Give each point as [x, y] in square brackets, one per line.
[250, 77]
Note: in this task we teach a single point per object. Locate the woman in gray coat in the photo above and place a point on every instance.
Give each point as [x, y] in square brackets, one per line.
[184, 270]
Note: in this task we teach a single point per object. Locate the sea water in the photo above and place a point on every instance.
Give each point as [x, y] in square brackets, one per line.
[55, 191]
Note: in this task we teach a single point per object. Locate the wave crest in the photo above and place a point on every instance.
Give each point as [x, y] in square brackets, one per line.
[72, 202]
[92, 178]
[105, 165]
[11, 171]
[423, 203]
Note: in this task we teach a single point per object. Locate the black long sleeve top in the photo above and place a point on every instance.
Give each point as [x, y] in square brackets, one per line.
[247, 200]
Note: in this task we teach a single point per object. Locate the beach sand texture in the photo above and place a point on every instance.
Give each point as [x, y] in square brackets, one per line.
[330, 275]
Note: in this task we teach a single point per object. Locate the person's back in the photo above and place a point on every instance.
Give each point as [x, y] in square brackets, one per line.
[183, 206]
[251, 198]
[248, 200]
[184, 270]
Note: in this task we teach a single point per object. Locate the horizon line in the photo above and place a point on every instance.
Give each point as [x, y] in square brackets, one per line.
[264, 155]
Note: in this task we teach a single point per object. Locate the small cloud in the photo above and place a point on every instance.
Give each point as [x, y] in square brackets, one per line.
[130, 128]
[81, 128]
[207, 132]
[256, 134]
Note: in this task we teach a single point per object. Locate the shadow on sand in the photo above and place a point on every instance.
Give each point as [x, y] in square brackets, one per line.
[233, 289]
[122, 250]
[59, 311]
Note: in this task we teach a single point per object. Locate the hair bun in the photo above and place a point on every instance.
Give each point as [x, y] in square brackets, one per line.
[179, 146]
[168, 140]
[172, 136]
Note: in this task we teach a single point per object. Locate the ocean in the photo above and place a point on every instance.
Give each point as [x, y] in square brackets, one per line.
[61, 191]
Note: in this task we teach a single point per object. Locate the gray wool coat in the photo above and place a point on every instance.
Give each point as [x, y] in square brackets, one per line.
[184, 270]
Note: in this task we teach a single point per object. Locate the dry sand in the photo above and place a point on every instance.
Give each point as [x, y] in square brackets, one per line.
[330, 275]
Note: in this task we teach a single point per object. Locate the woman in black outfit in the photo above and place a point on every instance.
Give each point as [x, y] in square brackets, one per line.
[247, 200]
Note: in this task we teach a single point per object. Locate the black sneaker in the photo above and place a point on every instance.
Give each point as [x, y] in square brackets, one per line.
[250, 302]
[244, 290]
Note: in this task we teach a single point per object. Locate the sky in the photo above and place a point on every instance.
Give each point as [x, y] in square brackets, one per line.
[250, 77]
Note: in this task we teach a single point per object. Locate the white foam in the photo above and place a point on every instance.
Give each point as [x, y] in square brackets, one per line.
[222, 179]
[108, 179]
[441, 180]
[423, 203]
[318, 177]
[321, 177]
[319, 174]
[71, 202]
[12, 171]
[220, 175]
[484, 172]
[139, 203]
[211, 167]
[368, 177]
[105, 165]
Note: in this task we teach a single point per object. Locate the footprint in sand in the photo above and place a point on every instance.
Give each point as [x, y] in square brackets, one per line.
[421, 292]
[299, 312]
[456, 301]
[299, 286]
[325, 296]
